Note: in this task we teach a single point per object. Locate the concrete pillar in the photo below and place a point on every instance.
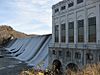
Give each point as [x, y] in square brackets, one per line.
[98, 23]
[66, 29]
[85, 27]
[75, 27]
[59, 30]
[53, 30]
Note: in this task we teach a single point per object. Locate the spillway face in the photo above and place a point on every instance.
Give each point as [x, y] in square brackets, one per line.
[32, 50]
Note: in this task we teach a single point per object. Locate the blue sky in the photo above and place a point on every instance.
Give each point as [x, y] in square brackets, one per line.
[28, 16]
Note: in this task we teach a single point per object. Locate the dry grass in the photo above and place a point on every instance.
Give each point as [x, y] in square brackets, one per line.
[92, 69]
[32, 72]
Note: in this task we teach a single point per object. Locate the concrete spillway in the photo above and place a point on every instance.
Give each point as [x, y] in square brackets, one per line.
[33, 50]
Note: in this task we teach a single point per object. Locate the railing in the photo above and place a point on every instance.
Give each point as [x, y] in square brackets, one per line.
[81, 46]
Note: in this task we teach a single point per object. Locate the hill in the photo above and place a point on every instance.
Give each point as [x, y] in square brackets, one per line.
[7, 33]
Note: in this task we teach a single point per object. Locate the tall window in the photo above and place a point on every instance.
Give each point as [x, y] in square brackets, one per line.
[92, 29]
[71, 32]
[80, 30]
[79, 1]
[57, 33]
[63, 32]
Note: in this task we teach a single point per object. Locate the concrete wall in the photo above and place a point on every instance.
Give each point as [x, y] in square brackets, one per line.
[84, 11]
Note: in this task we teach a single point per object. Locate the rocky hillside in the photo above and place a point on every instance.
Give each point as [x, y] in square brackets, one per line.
[7, 33]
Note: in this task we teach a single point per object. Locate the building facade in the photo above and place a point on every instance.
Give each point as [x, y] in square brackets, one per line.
[75, 33]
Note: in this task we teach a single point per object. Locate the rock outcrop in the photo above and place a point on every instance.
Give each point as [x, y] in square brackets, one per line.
[7, 33]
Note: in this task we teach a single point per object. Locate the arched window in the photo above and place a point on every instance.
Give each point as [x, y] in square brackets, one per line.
[56, 64]
[72, 67]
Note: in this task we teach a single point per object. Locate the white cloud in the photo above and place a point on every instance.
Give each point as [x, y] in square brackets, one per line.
[31, 15]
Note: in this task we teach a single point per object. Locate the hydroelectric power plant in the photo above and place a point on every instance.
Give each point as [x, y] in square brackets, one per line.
[74, 42]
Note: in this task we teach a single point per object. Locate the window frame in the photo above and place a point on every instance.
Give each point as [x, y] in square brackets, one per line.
[71, 4]
[91, 23]
[80, 1]
[56, 33]
[56, 10]
[53, 52]
[63, 32]
[63, 7]
[60, 53]
[71, 30]
[77, 55]
[80, 26]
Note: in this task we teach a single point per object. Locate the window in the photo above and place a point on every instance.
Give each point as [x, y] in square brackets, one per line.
[79, 1]
[68, 54]
[92, 29]
[70, 4]
[63, 7]
[56, 10]
[63, 32]
[53, 52]
[80, 26]
[57, 33]
[89, 56]
[60, 53]
[77, 55]
[71, 32]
